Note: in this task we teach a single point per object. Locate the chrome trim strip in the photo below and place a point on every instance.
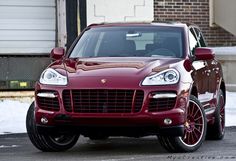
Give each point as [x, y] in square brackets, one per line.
[46, 112]
[164, 95]
[47, 95]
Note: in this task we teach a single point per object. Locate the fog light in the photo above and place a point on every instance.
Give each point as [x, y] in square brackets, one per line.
[167, 121]
[44, 120]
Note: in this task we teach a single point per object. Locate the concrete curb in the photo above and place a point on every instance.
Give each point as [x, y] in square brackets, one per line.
[13, 135]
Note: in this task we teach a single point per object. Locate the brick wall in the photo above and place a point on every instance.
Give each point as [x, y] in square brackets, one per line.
[196, 12]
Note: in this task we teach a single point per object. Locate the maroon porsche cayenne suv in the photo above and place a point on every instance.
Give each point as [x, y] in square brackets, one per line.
[134, 80]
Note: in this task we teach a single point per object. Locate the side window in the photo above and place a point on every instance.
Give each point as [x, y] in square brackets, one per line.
[193, 43]
[200, 37]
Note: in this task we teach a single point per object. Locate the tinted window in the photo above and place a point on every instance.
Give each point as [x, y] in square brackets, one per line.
[200, 38]
[193, 43]
[129, 42]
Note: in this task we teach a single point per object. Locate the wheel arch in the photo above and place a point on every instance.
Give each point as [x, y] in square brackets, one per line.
[194, 91]
[223, 88]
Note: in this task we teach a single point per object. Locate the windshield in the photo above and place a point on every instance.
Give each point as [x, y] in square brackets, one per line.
[130, 42]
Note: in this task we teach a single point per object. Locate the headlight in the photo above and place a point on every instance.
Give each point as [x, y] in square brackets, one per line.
[52, 77]
[166, 77]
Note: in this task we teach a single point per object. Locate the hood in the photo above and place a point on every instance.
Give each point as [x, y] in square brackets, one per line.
[115, 66]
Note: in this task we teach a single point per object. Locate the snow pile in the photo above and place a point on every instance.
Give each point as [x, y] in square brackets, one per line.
[13, 114]
[230, 109]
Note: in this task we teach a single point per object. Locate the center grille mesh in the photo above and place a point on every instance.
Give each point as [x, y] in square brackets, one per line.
[103, 101]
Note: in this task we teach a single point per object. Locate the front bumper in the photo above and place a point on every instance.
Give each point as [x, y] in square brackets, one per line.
[139, 119]
[131, 131]
[103, 119]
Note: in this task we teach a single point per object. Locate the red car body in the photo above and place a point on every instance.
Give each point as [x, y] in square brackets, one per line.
[105, 95]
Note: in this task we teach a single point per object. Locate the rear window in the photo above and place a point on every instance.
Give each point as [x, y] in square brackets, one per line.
[130, 42]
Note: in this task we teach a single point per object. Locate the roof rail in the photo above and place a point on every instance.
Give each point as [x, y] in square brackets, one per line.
[95, 24]
[120, 22]
[168, 22]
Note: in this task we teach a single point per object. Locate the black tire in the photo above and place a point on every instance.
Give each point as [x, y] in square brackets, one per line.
[217, 130]
[194, 132]
[48, 142]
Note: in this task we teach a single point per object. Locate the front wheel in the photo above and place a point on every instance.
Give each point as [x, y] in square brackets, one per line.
[51, 142]
[194, 130]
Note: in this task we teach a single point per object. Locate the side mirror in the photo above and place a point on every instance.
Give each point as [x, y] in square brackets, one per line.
[57, 53]
[204, 54]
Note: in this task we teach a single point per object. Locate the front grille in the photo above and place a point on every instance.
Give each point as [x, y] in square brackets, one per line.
[161, 104]
[50, 104]
[66, 96]
[103, 101]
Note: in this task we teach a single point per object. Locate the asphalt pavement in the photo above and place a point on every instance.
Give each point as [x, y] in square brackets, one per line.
[17, 147]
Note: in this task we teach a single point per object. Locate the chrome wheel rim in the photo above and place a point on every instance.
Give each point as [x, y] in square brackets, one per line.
[194, 126]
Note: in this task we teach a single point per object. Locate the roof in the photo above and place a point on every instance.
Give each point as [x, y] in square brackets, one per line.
[169, 24]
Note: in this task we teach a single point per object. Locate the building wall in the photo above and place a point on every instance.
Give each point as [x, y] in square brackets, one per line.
[193, 11]
[219, 10]
[27, 35]
[227, 57]
[119, 11]
[27, 27]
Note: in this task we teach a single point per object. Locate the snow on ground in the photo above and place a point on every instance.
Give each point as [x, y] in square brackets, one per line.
[230, 109]
[13, 113]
